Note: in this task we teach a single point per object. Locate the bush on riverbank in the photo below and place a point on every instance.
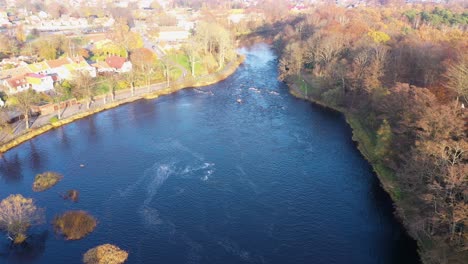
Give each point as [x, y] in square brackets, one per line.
[107, 253]
[46, 180]
[74, 225]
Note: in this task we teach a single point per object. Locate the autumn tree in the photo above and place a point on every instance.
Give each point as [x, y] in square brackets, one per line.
[84, 87]
[24, 101]
[122, 36]
[17, 215]
[192, 51]
[292, 61]
[457, 75]
[216, 41]
[4, 118]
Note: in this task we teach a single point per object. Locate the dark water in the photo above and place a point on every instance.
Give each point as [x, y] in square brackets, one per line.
[195, 177]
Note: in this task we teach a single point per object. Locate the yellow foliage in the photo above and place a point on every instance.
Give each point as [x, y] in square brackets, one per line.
[46, 181]
[105, 254]
[378, 36]
[17, 214]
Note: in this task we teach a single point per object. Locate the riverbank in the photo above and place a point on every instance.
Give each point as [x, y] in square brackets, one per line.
[44, 123]
[364, 144]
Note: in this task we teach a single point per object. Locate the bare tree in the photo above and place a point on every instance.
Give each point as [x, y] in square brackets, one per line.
[24, 101]
[17, 214]
[85, 87]
[457, 75]
[193, 54]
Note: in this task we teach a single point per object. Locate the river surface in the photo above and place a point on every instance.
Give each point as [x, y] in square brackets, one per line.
[195, 177]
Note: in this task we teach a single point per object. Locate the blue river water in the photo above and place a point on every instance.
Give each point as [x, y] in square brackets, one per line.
[195, 177]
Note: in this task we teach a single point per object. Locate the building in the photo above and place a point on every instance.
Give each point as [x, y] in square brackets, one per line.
[119, 64]
[40, 82]
[65, 67]
[102, 67]
[16, 84]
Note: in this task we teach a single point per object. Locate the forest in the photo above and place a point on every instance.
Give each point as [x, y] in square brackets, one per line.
[400, 75]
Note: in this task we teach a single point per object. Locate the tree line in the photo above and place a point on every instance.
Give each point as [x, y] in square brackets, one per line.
[404, 87]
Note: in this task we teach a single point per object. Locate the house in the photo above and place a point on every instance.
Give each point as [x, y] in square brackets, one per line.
[14, 72]
[102, 67]
[78, 63]
[16, 84]
[40, 82]
[58, 67]
[64, 67]
[13, 79]
[119, 64]
[40, 67]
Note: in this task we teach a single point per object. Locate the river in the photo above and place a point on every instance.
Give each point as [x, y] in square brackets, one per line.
[195, 177]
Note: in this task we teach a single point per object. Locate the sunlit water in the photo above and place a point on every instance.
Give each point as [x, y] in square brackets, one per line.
[196, 177]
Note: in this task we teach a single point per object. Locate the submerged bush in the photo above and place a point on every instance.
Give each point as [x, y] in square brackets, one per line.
[72, 195]
[75, 225]
[105, 254]
[46, 181]
[17, 214]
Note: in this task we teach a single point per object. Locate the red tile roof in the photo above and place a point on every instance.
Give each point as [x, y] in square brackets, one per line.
[17, 81]
[115, 62]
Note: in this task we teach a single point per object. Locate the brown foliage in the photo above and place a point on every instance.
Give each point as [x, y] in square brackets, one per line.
[72, 195]
[75, 225]
[105, 254]
[406, 92]
[45, 181]
[17, 214]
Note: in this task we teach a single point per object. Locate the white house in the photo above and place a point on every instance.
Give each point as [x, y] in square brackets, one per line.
[40, 82]
[119, 64]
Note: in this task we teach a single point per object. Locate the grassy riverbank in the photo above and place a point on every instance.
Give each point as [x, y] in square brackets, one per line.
[405, 207]
[190, 82]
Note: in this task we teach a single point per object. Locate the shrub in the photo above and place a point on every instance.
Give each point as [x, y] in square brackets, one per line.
[17, 214]
[53, 119]
[72, 195]
[107, 253]
[45, 181]
[74, 225]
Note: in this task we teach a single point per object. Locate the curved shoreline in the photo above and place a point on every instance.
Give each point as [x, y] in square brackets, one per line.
[206, 80]
[386, 183]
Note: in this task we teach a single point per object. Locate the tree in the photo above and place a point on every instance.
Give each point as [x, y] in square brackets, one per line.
[167, 68]
[131, 78]
[24, 101]
[384, 140]
[457, 75]
[292, 61]
[17, 214]
[84, 87]
[192, 51]
[113, 83]
[142, 58]
[4, 125]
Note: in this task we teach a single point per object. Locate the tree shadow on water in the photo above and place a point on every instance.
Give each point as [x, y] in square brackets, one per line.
[28, 252]
[37, 159]
[10, 169]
